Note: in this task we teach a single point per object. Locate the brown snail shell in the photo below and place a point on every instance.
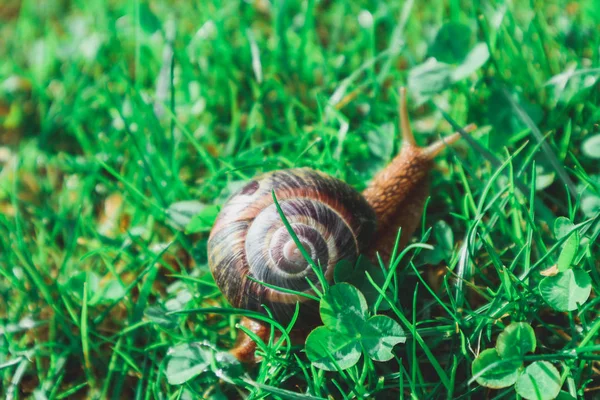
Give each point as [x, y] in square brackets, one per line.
[331, 219]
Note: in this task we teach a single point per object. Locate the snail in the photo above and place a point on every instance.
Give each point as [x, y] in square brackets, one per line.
[249, 242]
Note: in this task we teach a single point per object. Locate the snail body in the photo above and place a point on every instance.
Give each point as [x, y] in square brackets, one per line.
[249, 242]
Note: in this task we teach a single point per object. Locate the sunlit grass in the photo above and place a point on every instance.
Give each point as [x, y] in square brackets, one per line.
[113, 112]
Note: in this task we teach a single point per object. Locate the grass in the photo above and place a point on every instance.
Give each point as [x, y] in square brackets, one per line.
[112, 112]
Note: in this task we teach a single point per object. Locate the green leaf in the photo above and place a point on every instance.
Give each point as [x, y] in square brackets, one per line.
[204, 220]
[186, 361]
[228, 367]
[326, 348]
[75, 284]
[516, 340]
[590, 199]
[158, 315]
[381, 141]
[113, 290]
[179, 214]
[565, 290]
[108, 292]
[562, 395]
[544, 177]
[429, 78]
[475, 60]
[452, 43]
[355, 274]
[343, 309]
[569, 252]
[494, 372]
[539, 381]
[379, 336]
[562, 227]
[344, 271]
[591, 147]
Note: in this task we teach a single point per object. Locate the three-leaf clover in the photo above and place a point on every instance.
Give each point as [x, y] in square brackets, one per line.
[348, 331]
[500, 367]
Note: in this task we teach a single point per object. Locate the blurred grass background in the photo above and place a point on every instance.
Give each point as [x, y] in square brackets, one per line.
[113, 113]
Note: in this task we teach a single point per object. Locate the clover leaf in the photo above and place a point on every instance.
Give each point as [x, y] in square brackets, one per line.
[451, 59]
[569, 252]
[326, 348]
[562, 226]
[492, 371]
[343, 309]
[379, 336]
[501, 366]
[203, 221]
[348, 331]
[516, 340]
[539, 381]
[188, 360]
[565, 290]
[591, 147]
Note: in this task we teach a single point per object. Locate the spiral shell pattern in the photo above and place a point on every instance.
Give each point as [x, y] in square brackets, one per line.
[332, 221]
